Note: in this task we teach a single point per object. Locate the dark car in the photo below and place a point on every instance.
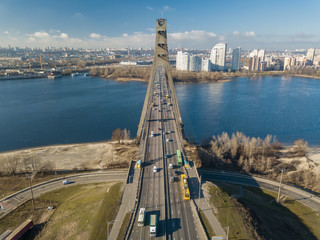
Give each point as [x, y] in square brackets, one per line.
[171, 179]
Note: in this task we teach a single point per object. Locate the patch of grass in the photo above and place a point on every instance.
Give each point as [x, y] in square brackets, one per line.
[230, 213]
[80, 210]
[205, 222]
[108, 211]
[22, 213]
[270, 219]
[306, 215]
[124, 226]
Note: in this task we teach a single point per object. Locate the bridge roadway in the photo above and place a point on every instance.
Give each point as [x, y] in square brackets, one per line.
[159, 195]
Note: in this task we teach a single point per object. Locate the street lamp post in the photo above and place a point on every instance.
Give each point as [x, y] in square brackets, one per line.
[30, 185]
[111, 222]
[200, 182]
[130, 176]
[279, 191]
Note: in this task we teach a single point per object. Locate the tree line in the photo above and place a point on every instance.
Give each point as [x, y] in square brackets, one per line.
[121, 72]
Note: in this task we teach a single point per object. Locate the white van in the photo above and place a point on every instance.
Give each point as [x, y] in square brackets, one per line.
[154, 168]
[152, 134]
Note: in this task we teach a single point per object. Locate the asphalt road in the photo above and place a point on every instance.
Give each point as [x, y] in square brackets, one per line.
[10, 202]
[297, 194]
[160, 196]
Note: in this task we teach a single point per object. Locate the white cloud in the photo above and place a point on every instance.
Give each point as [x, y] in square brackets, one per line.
[63, 35]
[95, 35]
[250, 34]
[6, 32]
[151, 29]
[41, 34]
[149, 8]
[236, 33]
[167, 8]
[193, 35]
[125, 35]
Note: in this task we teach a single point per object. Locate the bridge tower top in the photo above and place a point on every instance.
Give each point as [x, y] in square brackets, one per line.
[161, 54]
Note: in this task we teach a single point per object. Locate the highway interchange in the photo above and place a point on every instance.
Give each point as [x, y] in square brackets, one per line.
[10, 202]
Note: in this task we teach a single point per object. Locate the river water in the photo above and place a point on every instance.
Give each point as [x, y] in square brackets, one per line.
[39, 112]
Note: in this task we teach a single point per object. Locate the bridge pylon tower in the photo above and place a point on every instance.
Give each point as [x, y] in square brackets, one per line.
[160, 59]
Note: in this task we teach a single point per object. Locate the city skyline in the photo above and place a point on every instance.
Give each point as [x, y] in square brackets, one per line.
[101, 24]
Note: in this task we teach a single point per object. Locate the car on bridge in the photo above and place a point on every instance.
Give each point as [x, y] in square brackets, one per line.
[171, 178]
[155, 169]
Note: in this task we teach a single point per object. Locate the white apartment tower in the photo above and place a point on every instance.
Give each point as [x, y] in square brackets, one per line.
[182, 61]
[236, 53]
[195, 63]
[218, 56]
[206, 65]
[310, 54]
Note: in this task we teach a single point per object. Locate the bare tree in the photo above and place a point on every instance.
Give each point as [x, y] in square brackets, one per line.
[301, 147]
[11, 164]
[117, 135]
[32, 163]
[126, 134]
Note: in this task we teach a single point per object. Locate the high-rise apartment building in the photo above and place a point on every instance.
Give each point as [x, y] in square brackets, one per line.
[195, 63]
[261, 54]
[310, 54]
[236, 53]
[289, 62]
[182, 61]
[256, 60]
[218, 56]
[206, 65]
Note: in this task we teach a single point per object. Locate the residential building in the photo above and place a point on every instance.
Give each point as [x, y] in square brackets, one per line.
[310, 54]
[261, 54]
[236, 53]
[182, 61]
[195, 63]
[206, 65]
[218, 56]
[256, 60]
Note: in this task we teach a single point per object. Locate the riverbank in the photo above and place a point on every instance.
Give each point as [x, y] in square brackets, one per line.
[142, 74]
[72, 157]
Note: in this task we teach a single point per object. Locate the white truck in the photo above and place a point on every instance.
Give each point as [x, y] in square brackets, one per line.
[142, 216]
[153, 225]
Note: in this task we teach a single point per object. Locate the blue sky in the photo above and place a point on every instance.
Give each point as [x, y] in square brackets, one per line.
[272, 24]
